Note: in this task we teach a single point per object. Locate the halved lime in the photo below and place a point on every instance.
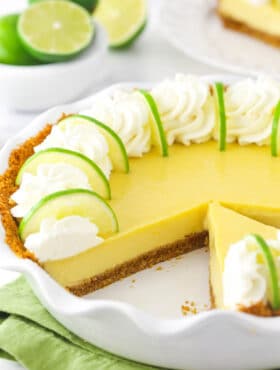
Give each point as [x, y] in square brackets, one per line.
[11, 49]
[158, 134]
[117, 151]
[123, 20]
[272, 270]
[73, 202]
[96, 177]
[275, 131]
[89, 5]
[219, 94]
[55, 30]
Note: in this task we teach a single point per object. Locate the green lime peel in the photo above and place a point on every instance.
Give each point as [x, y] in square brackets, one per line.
[272, 270]
[219, 92]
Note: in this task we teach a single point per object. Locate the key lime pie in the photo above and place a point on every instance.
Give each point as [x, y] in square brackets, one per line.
[257, 18]
[143, 176]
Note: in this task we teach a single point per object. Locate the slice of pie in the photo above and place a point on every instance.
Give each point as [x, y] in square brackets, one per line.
[260, 18]
[94, 202]
[239, 277]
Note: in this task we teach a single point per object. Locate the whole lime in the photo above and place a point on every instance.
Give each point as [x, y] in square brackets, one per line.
[11, 49]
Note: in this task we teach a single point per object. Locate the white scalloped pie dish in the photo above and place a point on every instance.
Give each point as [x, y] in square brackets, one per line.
[210, 340]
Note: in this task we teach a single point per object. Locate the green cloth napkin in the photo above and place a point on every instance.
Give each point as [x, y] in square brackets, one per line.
[32, 337]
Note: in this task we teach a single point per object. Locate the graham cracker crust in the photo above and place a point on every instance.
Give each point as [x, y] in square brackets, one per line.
[7, 187]
[258, 309]
[244, 28]
[163, 253]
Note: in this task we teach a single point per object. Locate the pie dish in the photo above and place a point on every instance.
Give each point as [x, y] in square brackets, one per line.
[93, 203]
[259, 19]
[78, 314]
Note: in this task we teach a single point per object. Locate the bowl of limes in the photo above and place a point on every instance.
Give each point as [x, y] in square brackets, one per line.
[50, 54]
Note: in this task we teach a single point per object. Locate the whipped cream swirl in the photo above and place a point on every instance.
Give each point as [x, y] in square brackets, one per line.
[80, 137]
[245, 277]
[58, 239]
[186, 108]
[249, 108]
[49, 179]
[128, 115]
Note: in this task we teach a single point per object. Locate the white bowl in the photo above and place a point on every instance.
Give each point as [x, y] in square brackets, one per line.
[34, 88]
[210, 340]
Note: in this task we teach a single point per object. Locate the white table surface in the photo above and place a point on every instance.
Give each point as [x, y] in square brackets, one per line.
[152, 58]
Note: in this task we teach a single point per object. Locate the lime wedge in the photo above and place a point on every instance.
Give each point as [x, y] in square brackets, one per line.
[220, 103]
[73, 202]
[272, 270]
[89, 5]
[55, 30]
[96, 177]
[117, 151]
[158, 134]
[123, 20]
[275, 131]
[11, 49]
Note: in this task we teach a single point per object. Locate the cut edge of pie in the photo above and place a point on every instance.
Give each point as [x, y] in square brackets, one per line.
[241, 25]
[225, 228]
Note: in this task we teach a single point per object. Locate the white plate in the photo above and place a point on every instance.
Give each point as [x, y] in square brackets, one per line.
[140, 317]
[194, 27]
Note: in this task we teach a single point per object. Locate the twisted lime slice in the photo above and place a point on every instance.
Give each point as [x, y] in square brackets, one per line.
[220, 103]
[96, 177]
[275, 131]
[73, 202]
[272, 270]
[158, 134]
[117, 151]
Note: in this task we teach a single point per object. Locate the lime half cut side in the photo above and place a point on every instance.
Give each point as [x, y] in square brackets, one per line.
[124, 20]
[55, 30]
[89, 5]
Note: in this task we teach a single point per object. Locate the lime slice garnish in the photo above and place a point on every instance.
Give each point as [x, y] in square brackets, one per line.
[275, 132]
[158, 134]
[123, 20]
[73, 202]
[272, 270]
[96, 177]
[117, 151]
[55, 30]
[220, 103]
[11, 49]
[89, 5]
